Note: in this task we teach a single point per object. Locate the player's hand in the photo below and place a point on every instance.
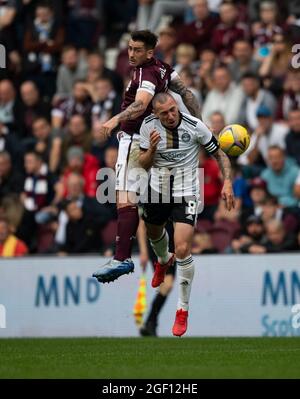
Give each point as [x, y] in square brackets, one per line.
[154, 140]
[108, 127]
[144, 258]
[227, 195]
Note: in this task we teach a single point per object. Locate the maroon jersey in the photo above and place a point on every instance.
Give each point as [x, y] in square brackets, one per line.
[154, 77]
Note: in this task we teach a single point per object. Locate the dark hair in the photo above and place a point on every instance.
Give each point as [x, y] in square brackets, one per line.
[45, 4]
[146, 36]
[40, 118]
[35, 153]
[250, 75]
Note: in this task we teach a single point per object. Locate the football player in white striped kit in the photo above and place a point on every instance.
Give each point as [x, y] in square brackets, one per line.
[170, 141]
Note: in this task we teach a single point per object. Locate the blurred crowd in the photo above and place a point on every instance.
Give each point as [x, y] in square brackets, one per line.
[66, 70]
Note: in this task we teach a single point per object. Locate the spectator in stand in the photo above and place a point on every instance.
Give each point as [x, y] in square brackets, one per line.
[243, 61]
[225, 97]
[267, 133]
[41, 140]
[11, 180]
[165, 51]
[217, 122]
[228, 31]
[264, 29]
[281, 177]
[189, 80]
[72, 69]
[80, 103]
[185, 57]
[255, 97]
[277, 240]
[83, 23]
[291, 96]
[9, 106]
[37, 193]
[212, 185]
[271, 209]
[81, 163]
[292, 139]
[202, 244]
[258, 196]
[107, 102]
[10, 142]
[8, 38]
[31, 107]
[253, 235]
[43, 42]
[82, 230]
[208, 62]
[199, 32]
[75, 184]
[77, 134]
[96, 69]
[100, 144]
[10, 245]
[275, 65]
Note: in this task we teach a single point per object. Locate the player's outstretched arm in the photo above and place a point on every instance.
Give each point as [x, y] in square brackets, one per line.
[225, 166]
[137, 108]
[187, 96]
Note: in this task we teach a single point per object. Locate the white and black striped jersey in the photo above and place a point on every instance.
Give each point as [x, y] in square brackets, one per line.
[177, 153]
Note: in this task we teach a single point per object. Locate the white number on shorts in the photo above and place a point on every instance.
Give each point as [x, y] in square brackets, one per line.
[192, 207]
[118, 169]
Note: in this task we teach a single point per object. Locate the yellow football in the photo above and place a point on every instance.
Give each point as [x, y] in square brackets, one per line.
[234, 140]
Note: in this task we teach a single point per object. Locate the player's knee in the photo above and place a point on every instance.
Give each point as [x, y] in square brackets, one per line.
[182, 250]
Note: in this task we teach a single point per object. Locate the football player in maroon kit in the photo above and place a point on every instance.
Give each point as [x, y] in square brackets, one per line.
[149, 77]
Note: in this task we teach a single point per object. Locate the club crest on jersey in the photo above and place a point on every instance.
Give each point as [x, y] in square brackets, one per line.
[186, 137]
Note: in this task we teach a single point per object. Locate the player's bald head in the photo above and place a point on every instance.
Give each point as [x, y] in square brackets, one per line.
[162, 98]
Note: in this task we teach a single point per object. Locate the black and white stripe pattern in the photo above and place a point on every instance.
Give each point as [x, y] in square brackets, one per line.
[184, 262]
[212, 146]
[190, 121]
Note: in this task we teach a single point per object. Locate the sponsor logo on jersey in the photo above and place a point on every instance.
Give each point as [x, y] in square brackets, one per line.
[173, 156]
[162, 71]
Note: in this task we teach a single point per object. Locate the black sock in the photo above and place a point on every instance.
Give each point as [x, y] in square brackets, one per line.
[156, 307]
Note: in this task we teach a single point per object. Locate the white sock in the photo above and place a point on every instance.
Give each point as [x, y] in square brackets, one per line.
[161, 247]
[185, 272]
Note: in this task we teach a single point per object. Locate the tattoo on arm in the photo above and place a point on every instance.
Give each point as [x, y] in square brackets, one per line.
[224, 164]
[132, 111]
[187, 96]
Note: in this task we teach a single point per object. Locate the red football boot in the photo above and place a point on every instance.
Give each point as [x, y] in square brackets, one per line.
[160, 272]
[180, 324]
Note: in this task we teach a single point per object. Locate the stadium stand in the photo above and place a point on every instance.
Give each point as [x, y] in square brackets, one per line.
[57, 90]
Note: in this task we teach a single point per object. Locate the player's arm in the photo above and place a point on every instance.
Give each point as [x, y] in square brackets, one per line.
[137, 108]
[187, 96]
[211, 145]
[147, 156]
[225, 166]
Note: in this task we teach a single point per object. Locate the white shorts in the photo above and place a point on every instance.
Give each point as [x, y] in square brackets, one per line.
[127, 166]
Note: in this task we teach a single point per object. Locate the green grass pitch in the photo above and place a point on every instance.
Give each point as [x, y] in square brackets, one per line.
[150, 358]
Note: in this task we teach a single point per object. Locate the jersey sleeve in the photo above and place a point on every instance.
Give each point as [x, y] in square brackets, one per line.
[147, 81]
[144, 137]
[206, 138]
